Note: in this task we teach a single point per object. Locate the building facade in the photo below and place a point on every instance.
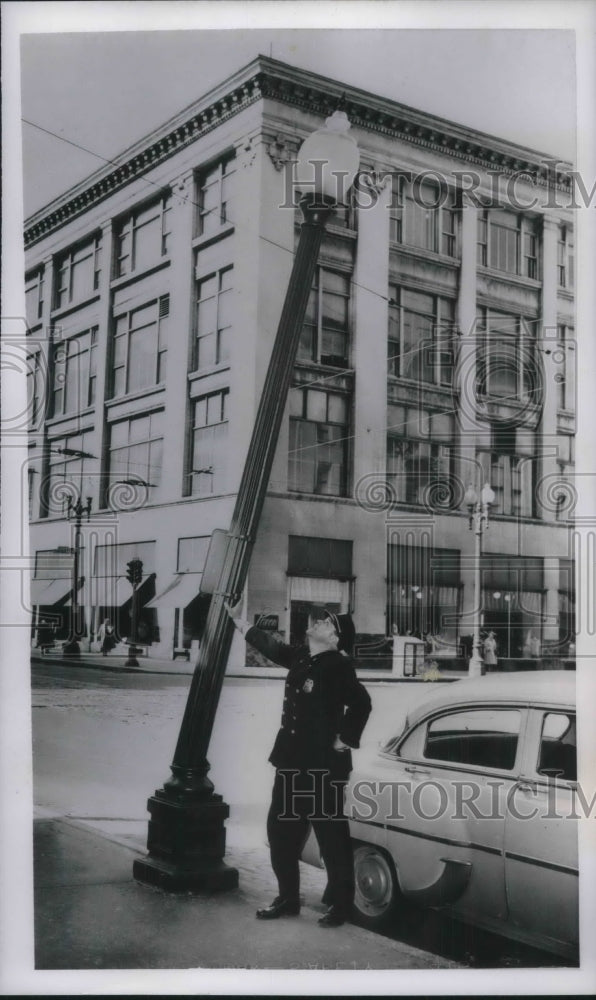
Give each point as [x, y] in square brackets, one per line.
[437, 351]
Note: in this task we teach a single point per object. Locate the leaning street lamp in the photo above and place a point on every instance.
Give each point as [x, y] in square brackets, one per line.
[478, 513]
[186, 840]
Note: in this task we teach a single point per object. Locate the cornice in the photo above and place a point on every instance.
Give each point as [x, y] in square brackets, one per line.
[274, 80]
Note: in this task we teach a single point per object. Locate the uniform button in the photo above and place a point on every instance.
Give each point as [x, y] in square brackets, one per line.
[293, 731]
[297, 690]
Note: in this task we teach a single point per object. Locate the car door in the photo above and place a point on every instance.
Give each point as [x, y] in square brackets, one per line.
[458, 768]
[541, 854]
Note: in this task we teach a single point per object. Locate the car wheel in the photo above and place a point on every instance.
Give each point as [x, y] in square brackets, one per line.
[376, 892]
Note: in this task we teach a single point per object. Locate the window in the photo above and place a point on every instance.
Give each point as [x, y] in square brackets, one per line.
[509, 468]
[209, 444]
[142, 239]
[325, 333]
[477, 737]
[423, 591]
[565, 377]
[422, 216]
[74, 376]
[318, 451]
[31, 473]
[507, 352]
[214, 319]
[419, 455]
[34, 298]
[558, 746]
[136, 447]
[78, 273]
[140, 347]
[319, 557]
[565, 258]
[508, 242]
[71, 469]
[214, 190]
[36, 385]
[420, 337]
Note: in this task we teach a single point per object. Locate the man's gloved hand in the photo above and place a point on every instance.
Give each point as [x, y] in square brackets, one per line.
[234, 612]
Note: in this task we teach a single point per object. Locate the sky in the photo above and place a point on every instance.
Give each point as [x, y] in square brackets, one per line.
[103, 90]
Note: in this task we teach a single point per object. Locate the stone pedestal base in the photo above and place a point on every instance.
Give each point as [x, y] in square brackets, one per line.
[186, 844]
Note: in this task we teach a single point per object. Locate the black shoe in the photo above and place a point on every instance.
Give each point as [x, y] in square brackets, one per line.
[334, 917]
[327, 897]
[279, 908]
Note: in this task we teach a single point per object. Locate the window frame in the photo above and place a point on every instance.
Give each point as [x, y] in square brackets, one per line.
[151, 471]
[223, 222]
[85, 379]
[217, 477]
[128, 228]
[441, 304]
[159, 347]
[294, 419]
[404, 216]
[223, 352]
[318, 328]
[35, 280]
[519, 344]
[491, 243]
[477, 768]
[65, 270]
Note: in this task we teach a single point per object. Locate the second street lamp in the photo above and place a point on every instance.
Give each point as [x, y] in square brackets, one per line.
[76, 511]
[478, 513]
[186, 840]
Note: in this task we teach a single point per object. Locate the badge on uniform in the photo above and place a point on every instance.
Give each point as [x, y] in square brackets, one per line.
[308, 685]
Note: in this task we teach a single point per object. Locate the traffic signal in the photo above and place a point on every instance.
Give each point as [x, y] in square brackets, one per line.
[134, 571]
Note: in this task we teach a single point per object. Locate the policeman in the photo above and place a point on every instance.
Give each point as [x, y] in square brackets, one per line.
[324, 712]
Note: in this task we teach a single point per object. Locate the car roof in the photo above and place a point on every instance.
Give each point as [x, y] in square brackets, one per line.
[535, 687]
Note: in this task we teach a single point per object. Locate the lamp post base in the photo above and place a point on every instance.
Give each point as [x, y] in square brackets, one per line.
[186, 844]
[476, 667]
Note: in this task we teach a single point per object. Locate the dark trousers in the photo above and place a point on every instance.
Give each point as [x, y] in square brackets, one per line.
[298, 799]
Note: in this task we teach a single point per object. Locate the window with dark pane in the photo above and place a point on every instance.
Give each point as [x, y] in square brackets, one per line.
[214, 319]
[318, 448]
[208, 472]
[142, 238]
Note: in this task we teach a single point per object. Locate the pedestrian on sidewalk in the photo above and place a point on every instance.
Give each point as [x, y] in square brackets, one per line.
[106, 636]
[324, 713]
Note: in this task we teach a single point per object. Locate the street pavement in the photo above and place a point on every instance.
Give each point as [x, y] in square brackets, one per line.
[95, 754]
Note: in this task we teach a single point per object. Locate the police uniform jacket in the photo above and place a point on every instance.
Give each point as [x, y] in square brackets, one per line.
[322, 699]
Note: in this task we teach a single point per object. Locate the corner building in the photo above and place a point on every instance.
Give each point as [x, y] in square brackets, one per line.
[437, 350]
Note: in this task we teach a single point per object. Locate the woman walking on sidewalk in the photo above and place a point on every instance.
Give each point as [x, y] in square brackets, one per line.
[324, 713]
[106, 637]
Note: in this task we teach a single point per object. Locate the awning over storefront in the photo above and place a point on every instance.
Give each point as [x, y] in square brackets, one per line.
[114, 591]
[179, 593]
[48, 593]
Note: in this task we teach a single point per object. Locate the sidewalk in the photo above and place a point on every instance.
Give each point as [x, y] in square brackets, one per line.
[91, 914]
[116, 661]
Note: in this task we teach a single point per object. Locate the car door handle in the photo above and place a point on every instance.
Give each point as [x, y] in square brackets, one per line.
[416, 770]
[526, 786]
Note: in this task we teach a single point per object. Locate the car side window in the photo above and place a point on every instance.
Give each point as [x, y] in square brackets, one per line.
[558, 746]
[484, 737]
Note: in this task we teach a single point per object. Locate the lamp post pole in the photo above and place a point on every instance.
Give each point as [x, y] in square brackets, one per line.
[186, 840]
[478, 512]
[76, 510]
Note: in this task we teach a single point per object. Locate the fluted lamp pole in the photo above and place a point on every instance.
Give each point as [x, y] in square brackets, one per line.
[478, 513]
[186, 840]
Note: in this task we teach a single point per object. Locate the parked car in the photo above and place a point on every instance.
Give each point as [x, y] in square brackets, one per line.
[471, 807]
